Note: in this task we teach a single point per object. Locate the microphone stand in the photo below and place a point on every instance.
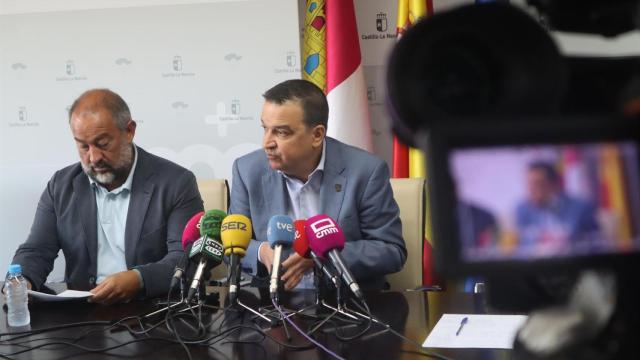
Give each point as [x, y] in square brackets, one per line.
[336, 311]
[318, 300]
[170, 306]
[278, 315]
[235, 273]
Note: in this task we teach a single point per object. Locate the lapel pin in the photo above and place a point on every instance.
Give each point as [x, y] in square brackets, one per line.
[338, 187]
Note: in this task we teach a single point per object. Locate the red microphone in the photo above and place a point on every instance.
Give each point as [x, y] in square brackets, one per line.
[300, 242]
[301, 246]
[190, 234]
[191, 231]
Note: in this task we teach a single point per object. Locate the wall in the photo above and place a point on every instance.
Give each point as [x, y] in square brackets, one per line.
[193, 75]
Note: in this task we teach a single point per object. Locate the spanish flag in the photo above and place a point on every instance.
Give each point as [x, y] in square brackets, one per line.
[410, 162]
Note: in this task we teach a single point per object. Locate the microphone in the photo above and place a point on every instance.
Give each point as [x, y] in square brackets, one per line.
[236, 235]
[190, 234]
[301, 246]
[279, 232]
[326, 240]
[211, 222]
[207, 250]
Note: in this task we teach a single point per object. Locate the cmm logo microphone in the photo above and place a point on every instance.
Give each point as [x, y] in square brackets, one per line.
[324, 227]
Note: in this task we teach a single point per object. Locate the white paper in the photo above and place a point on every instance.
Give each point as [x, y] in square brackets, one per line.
[479, 332]
[63, 296]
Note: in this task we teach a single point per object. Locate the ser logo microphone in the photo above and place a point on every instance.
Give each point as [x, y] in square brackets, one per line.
[234, 225]
[324, 227]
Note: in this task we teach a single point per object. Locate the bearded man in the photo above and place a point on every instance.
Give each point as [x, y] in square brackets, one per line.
[117, 215]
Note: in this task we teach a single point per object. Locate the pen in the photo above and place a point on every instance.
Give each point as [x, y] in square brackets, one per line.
[426, 288]
[462, 323]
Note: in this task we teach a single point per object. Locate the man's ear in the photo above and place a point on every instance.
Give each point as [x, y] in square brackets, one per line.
[131, 130]
[319, 132]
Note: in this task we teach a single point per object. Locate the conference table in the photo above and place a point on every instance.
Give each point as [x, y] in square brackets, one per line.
[413, 314]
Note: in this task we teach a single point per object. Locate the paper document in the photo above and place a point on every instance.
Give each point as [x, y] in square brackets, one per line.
[63, 296]
[477, 331]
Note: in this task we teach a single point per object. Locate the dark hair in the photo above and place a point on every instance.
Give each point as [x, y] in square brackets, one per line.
[109, 101]
[548, 169]
[313, 101]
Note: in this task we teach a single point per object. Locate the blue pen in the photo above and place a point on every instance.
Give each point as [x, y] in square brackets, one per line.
[462, 323]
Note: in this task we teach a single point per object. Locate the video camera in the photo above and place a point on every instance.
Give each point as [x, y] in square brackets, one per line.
[533, 156]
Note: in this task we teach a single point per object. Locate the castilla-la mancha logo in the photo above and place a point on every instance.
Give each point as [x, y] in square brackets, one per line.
[382, 29]
[177, 66]
[22, 119]
[290, 62]
[70, 67]
[177, 63]
[371, 93]
[291, 59]
[235, 107]
[381, 22]
[22, 114]
[223, 119]
[70, 72]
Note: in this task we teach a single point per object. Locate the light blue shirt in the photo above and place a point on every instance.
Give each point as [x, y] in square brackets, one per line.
[304, 198]
[113, 207]
[304, 202]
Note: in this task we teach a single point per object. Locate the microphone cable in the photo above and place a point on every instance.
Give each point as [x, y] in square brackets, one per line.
[25, 333]
[401, 336]
[140, 328]
[143, 330]
[313, 341]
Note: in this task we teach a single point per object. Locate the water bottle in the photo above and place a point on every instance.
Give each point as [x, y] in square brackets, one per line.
[15, 289]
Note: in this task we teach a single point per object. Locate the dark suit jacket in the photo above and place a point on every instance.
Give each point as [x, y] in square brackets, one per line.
[355, 191]
[163, 198]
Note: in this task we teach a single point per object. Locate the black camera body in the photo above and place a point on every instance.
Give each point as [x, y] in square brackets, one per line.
[489, 77]
[533, 160]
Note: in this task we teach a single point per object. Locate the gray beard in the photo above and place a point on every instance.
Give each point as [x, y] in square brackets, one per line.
[119, 171]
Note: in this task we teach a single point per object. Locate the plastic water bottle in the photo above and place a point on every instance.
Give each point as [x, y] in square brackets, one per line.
[15, 289]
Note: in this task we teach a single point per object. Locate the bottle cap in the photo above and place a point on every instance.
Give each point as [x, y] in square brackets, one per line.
[15, 269]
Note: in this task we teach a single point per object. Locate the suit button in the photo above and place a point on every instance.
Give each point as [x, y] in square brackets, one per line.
[92, 280]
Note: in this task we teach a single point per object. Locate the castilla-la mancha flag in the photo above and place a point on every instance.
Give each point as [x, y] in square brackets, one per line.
[331, 58]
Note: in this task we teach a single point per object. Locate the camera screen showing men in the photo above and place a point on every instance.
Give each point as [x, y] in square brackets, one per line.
[546, 201]
[117, 215]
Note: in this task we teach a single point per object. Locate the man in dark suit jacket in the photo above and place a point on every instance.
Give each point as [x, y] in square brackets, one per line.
[301, 173]
[117, 215]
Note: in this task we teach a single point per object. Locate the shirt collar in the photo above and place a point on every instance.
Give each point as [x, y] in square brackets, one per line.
[318, 169]
[127, 184]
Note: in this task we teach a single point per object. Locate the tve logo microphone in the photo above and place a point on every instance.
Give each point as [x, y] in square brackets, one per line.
[284, 226]
[281, 226]
[324, 227]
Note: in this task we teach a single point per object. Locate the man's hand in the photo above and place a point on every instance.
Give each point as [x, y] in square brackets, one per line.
[117, 287]
[266, 256]
[296, 266]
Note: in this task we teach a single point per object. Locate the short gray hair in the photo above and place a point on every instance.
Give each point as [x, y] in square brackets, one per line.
[107, 100]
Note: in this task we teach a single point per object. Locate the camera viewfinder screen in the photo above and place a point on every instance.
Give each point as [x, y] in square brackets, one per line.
[547, 201]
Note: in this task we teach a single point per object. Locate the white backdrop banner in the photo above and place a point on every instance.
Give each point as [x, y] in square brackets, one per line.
[192, 75]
